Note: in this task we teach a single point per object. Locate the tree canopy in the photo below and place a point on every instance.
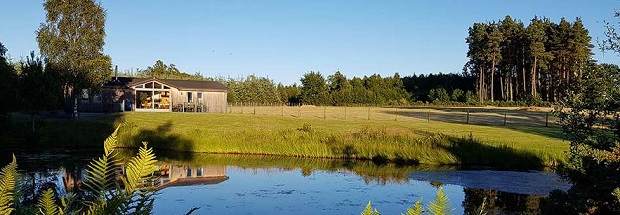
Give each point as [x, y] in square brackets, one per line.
[540, 61]
[72, 40]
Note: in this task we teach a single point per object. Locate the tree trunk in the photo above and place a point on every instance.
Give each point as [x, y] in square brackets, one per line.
[501, 83]
[481, 83]
[511, 86]
[524, 80]
[492, 77]
[523, 71]
[534, 77]
[75, 106]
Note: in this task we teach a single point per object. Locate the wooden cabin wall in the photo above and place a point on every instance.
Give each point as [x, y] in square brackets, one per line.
[215, 101]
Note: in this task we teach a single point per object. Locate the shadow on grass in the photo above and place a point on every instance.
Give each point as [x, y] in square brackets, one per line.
[49, 131]
[471, 153]
[161, 138]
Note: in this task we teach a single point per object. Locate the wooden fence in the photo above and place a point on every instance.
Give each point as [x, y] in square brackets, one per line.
[465, 115]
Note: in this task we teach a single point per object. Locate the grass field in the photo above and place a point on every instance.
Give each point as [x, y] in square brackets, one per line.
[388, 134]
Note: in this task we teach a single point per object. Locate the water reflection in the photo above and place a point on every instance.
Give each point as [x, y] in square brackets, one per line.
[172, 175]
[284, 185]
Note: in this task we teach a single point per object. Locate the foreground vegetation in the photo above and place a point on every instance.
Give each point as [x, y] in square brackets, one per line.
[105, 190]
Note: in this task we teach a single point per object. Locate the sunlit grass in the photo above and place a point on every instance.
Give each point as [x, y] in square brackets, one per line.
[407, 140]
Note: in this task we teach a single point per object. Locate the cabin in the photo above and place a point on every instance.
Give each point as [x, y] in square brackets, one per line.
[164, 95]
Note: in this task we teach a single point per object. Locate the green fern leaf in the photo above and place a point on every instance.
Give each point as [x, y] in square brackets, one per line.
[139, 170]
[417, 209]
[369, 210]
[139, 179]
[101, 179]
[102, 172]
[482, 209]
[8, 178]
[47, 203]
[440, 205]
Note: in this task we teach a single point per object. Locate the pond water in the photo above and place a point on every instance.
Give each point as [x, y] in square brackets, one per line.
[238, 184]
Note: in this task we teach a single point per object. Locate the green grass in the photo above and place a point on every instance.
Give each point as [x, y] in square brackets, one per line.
[402, 135]
[411, 141]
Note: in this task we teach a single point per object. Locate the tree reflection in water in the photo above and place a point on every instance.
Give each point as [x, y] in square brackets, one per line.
[497, 202]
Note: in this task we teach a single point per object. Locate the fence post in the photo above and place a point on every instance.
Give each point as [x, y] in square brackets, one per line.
[504, 118]
[299, 111]
[241, 107]
[324, 109]
[282, 111]
[368, 114]
[467, 117]
[546, 119]
[396, 114]
[254, 104]
[428, 115]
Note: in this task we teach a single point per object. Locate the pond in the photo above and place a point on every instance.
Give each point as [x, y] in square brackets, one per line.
[242, 184]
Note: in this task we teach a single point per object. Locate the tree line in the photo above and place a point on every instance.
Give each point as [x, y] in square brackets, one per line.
[515, 62]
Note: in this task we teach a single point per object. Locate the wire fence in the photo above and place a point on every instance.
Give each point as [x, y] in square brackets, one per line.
[465, 115]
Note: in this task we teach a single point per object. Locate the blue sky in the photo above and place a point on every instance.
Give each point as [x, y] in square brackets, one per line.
[285, 39]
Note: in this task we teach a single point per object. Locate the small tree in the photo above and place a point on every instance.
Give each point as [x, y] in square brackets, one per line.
[314, 90]
[72, 40]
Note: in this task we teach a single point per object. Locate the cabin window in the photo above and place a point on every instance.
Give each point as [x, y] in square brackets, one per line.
[199, 172]
[199, 95]
[189, 97]
[189, 172]
[140, 86]
[149, 85]
[166, 87]
[156, 85]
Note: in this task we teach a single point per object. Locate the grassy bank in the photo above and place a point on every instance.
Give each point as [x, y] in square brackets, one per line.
[387, 136]
[381, 140]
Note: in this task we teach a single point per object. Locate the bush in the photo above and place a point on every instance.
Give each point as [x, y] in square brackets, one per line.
[438, 95]
[458, 95]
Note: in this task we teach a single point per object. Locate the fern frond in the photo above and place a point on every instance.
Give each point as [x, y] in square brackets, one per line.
[139, 179]
[96, 208]
[139, 170]
[101, 178]
[111, 142]
[47, 203]
[102, 172]
[8, 178]
[440, 205]
[369, 210]
[482, 209]
[417, 209]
